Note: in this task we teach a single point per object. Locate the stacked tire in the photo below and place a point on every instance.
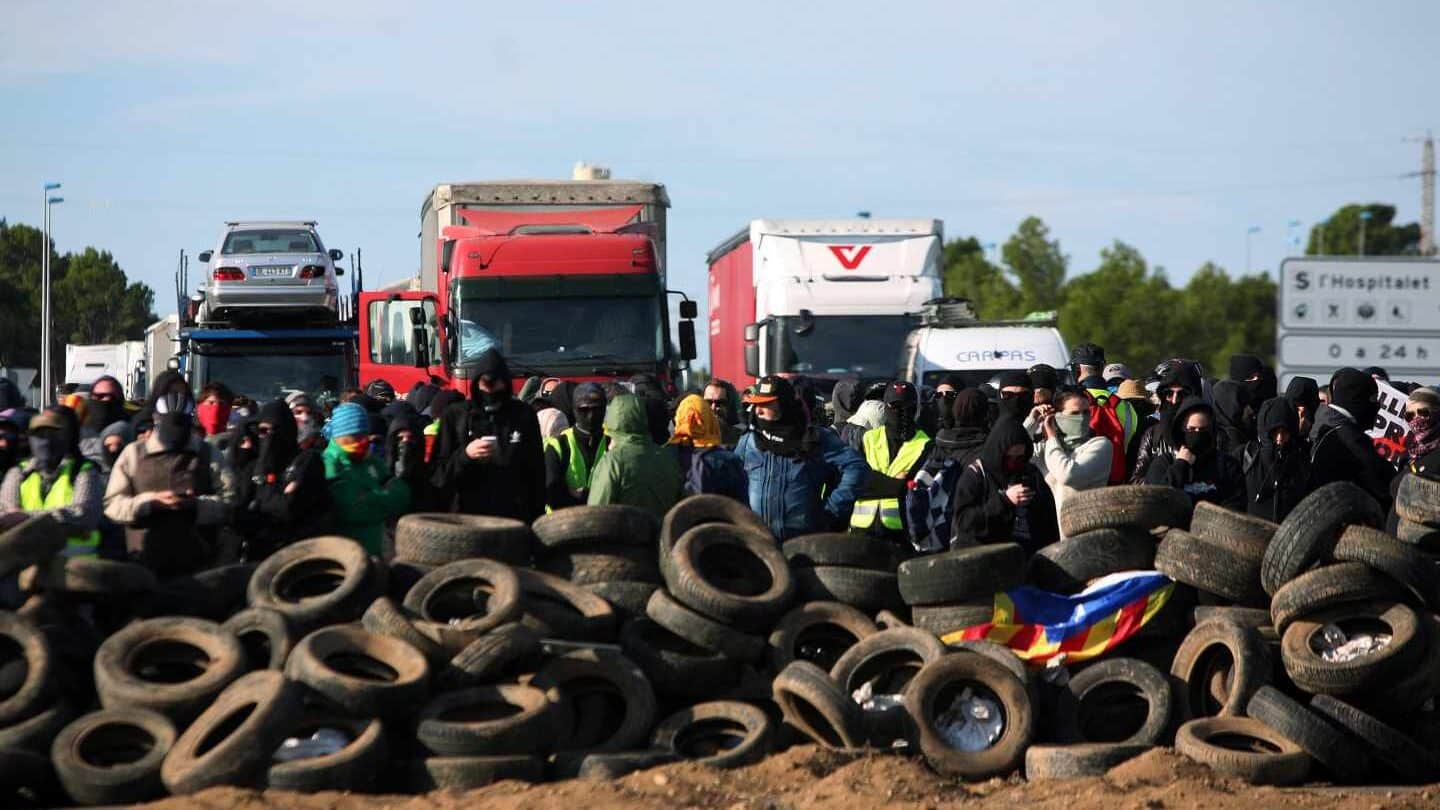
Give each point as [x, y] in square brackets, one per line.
[852, 569]
[607, 550]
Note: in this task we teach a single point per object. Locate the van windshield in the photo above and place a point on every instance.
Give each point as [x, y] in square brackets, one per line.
[239, 243]
[863, 345]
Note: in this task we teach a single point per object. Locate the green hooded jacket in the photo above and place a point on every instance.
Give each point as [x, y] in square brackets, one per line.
[363, 498]
[634, 471]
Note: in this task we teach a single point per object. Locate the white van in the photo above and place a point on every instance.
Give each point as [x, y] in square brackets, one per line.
[951, 341]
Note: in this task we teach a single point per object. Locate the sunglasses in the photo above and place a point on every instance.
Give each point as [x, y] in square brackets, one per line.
[713, 402]
[104, 396]
[1013, 394]
[1423, 413]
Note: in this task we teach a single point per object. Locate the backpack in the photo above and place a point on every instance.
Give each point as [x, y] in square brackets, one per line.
[930, 508]
[1105, 421]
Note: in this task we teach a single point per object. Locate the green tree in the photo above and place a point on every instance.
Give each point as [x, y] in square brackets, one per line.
[1035, 260]
[20, 294]
[1340, 234]
[968, 274]
[1124, 306]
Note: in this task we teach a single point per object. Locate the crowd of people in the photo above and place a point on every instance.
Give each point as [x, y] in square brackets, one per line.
[185, 481]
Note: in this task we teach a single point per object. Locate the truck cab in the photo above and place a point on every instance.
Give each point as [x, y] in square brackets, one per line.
[272, 363]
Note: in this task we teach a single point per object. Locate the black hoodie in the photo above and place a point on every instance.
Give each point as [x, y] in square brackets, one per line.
[1155, 441]
[1276, 478]
[279, 517]
[1215, 476]
[511, 483]
[1234, 419]
[982, 512]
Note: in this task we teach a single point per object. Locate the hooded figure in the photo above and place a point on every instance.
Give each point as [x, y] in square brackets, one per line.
[570, 457]
[870, 415]
[113, 440]
[1016, 403]
[12, 424]
[59, 481]
[364, 493]
[1197, 466]
[489, 459]
[442, 401]
[1234, 418]
[106, 405]
[634, 471]
[10, 396]
[1000, 497]
[289, 498]
[707, 467]
[1255, 377]
[405, 454]
[895, 452]
[961, 442]
[1180, 377]
[1340, 449]
[172, 491]
[844, 399]
[1277, 463]
[243, 450]
[1304, 394]
[421, 395]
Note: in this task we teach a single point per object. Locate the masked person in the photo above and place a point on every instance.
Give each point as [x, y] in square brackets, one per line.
[172, 491]
[1197, 466]
[212, 413]
[1069, 457]
[724, 402]
[289, 499]
[1422, 443]
[1340, 449]
[570, 458]
[1088, 362]
[12, 427]
[361, 488]
[1258, 379]
[405, 453]
[489, 459]
[706, 467]
[1178, 381]
[105, 407]
[1234, 417]
[113, 440]
[1304, 396]
[869, 416]
[1017, 398]
[1000, 497]
[844, 399]
[59, 481]
[894, 452]
[802, 479]
[634, 470]
[1277, 463]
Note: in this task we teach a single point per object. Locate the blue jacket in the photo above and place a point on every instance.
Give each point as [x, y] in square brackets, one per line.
[712, 471]
[796, 496]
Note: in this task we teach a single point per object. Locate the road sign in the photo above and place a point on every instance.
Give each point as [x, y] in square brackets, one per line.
[1336, 351]
[1360, 295]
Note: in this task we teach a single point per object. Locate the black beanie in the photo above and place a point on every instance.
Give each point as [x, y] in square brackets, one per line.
[1013, 379]
[1351, 388]
[1044, 376]
[1245, 366]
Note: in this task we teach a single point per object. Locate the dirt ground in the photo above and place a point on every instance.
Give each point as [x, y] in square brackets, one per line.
[805, 778]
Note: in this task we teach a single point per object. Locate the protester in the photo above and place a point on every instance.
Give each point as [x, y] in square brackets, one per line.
[289, 496]
[1197, 466]
[1000, 497]
[945, 393]
[1341, 450]
[1422, 443]
[1234, 418]
[894, 452]
[12, 427]
[364, 493]
[1114, 374]
[1045, 381]
[1304, 395]
[105, 407]
[1070, 457]
[1277, 463]
[1088, 361]
[10, 396]
[844, 399]
[113, 440]
[1178, 381]
[867, 417]
[634, 471]
[1017, 398]
[58, 480]
[570, 458]
[212, 413]
[380, 391]
[706, 467]
[802, 479]
[723, 399]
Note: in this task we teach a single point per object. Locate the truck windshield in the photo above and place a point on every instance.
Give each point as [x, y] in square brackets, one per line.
[864, 345]
[563, 321]
[265, 373]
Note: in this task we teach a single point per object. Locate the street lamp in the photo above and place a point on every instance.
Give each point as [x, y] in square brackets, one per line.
[1364, 218]
[47, 392]
[1294, 226]
[1254, 229]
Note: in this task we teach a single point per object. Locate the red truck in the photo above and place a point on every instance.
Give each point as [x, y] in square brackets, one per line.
[565, 278]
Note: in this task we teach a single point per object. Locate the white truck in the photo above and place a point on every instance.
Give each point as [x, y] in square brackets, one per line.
[84, 364]
[951, 341]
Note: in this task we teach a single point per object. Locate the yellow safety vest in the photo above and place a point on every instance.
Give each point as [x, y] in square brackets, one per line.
[877, 455]
[577, 472]
[61, 494]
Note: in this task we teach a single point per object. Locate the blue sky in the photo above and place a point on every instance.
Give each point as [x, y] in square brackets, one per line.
[1172, 127]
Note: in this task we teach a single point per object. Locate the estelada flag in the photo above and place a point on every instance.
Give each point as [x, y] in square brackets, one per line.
[1040, 625]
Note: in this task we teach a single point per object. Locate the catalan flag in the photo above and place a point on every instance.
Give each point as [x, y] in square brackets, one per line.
[1039, 625]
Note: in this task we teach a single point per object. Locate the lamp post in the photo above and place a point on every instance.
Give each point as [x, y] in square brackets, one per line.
[1364, 218]
[1294, 226]
[1254, 229]
[47, 392]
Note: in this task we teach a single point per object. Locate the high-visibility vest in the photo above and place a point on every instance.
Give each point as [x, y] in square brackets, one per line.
[577, 471]
[877, 455]
[61, 494]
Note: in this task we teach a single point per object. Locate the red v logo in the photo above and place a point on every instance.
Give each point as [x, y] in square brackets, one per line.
[850, 256]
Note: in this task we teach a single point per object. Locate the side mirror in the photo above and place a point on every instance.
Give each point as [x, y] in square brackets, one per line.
[205, 255]
[417, 316]
[336, 254]
[687, 340]
[752, 349]
[807, 323]
[447, 253]
[689, 309]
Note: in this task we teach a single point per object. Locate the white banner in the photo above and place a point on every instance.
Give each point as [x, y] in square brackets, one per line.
[1390, 426]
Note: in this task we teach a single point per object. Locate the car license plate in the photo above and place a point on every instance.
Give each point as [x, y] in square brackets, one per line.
[274, 272]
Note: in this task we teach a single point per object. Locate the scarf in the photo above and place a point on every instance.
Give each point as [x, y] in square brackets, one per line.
[1424, 436]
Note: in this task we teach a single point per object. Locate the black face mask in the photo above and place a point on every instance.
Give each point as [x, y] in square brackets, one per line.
[1168, 405]
[900, 423]
[1017, 406]
[45, 452]
[1199, 442]
[101, 413]
[589, 421]
[493, 400]
[173, 430]
[1143, 407]
[1364, 414]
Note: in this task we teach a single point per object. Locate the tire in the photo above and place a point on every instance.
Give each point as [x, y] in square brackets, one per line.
[700, 509]
[944, 620]
[469, 773]
[1044, 762]
[736, 577]
[575, 677]
[1307, 536]
[440, 538]
[1258, 618]
[1340, 755]
[1330, 586]
[1417, 499]
[356, 767]
[264, 703]
[34, 540]
[113, 756]
[939, 680]
[1406, 695]
[883, 664]
[33, 693]
[387, 619]
[818, 632]
[814, 705]
[525, 726]
[837, 548]
[1392, 752]
[37, 732]
[966, 575]
[1225, 567]
[582, 527]
[367, 674]
[1124, 507]
[503, 651]
[869, 590]
[316, 582]
[1067, 566]
[215, 593]
[676, 666]
[600, 563]
[555, 608]
[628, 599]
[1213, 522]
[449, 602]
[702, 630]
[721, 734]
[1309, 671]
[1223, 652]
[403, 576]
[88, 576]
[189, 662]
[1004, 656]
[1423, 537]
[265, 636]
[1103, 704]
[1281, 762]
[1400, 561]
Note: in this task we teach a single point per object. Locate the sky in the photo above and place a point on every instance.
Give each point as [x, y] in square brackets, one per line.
[1175, 127]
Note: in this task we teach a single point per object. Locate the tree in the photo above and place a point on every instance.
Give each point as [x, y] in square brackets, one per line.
[1123, 306]
[1036, 262]
[1340, 234]
[968, 274]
